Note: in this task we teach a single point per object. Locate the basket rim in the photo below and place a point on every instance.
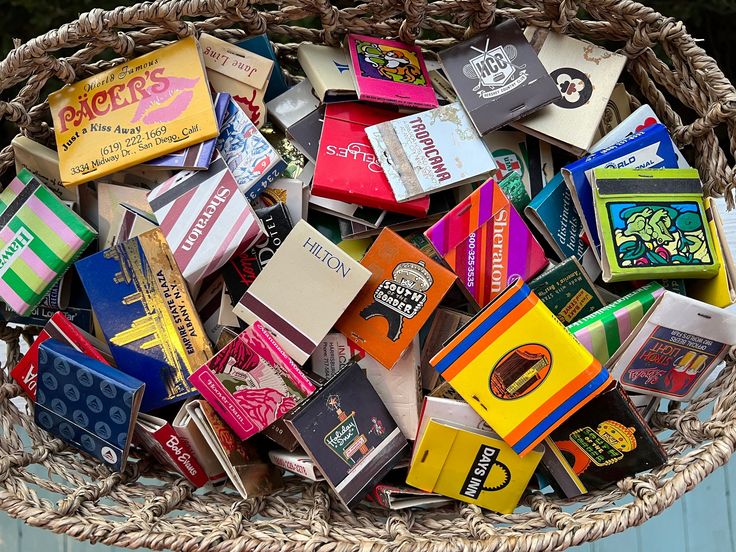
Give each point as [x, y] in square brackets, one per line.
[133, 30]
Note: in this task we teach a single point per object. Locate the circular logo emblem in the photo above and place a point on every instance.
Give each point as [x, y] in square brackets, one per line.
[71, 392]
[108, 389]
[87, 442]
[122, 439]
[49, 381]
[58, 406]
[43, 356]
[520, 371]
[109, 455]
[80, 418]
[574, 85]
[103, 430]
[45, 419]
[128, 399]
[85, 378]
[117, 415]
[40, 397]
[66, 431]
[62, 366]
[94, 404]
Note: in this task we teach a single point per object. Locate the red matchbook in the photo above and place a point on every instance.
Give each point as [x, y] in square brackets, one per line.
[158, 437]
[347, 168]
[60, 328]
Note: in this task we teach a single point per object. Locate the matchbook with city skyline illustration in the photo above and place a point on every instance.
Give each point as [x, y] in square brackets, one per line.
[147, 315]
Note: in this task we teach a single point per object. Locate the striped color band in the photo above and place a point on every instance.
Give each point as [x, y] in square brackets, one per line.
[504, 309]
[278, 324]
[543, 428]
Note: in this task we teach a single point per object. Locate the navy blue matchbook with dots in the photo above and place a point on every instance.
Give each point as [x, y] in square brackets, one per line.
[87, 403]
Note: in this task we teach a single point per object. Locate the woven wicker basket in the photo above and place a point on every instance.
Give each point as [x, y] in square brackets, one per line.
[49, 485]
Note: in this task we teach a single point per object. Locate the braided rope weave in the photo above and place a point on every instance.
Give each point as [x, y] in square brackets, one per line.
[49, 485]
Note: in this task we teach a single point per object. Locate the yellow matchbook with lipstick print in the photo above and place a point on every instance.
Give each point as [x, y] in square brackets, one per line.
[155, 104]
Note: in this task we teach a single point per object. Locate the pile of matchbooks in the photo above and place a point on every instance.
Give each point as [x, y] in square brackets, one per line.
[463, 277]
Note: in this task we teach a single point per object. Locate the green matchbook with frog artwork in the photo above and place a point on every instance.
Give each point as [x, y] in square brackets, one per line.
[652, 224]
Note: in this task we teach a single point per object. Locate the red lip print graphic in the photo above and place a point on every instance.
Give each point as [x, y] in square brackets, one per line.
[166, 106]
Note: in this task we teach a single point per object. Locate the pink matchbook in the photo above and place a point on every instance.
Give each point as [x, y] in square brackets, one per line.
[389, 71]
[251, 382]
